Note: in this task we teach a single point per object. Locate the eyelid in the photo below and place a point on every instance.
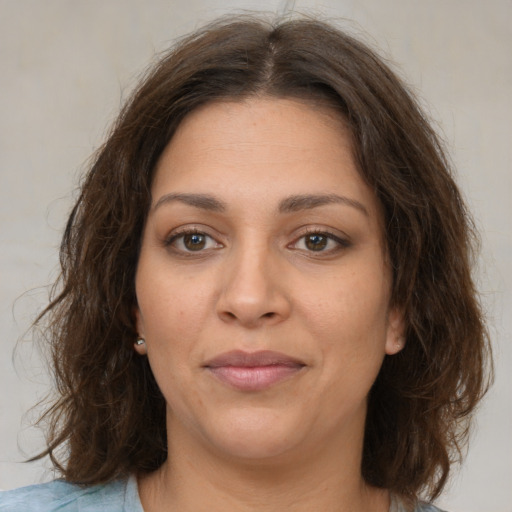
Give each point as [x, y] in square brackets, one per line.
[343, 241]
[189, 230]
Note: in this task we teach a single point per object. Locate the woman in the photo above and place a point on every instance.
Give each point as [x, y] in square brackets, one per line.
[266, 300]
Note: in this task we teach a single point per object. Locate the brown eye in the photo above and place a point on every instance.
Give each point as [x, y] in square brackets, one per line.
[194, 241]
[323, 243]
[316, 242]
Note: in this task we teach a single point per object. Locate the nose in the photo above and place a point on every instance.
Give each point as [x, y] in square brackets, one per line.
[253, 291]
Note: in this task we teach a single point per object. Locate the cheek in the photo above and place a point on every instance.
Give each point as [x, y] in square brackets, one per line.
[172, 312]
[171, 304]
[348, 314]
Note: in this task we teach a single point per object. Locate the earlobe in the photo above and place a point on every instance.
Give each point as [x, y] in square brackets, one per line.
[140, 346]
[140, 343]
[395, 346]
[395, 340]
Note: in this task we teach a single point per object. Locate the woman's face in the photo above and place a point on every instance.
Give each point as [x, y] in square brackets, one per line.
[263, 285]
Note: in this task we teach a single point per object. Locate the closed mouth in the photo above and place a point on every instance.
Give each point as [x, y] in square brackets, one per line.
[254, 371]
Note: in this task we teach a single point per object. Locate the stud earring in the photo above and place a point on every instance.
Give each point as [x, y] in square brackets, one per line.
[140, 346]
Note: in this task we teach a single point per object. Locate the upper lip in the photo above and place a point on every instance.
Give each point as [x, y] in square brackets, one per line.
[239, 358]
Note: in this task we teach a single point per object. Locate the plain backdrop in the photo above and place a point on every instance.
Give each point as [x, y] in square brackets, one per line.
[66, 65]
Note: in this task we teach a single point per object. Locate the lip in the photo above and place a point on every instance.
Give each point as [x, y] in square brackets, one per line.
[253, 371]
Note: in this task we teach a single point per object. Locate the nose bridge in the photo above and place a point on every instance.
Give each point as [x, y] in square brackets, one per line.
[251, 287]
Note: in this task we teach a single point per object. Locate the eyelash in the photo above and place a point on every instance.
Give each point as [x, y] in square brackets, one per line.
[342, 243]
[181, 235]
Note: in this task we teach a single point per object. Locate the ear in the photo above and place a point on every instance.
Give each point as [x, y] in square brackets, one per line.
[140, 348]
[395, 339]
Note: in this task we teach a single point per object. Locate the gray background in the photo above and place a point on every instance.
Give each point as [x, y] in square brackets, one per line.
[66, 65]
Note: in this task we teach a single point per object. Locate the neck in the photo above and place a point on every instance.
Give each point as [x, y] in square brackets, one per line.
[194, 479]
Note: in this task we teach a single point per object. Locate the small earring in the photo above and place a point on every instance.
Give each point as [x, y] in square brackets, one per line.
[140, 346]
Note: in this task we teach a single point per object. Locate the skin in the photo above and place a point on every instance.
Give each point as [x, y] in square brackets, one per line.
[255, 284]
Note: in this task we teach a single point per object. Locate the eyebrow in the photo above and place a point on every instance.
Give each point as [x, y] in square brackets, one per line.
[308, 201]
[291, 204]
[202, 201]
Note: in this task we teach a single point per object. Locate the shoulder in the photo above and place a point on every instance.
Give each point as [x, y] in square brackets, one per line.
[398, 505]
[427, 507]
[61, 496]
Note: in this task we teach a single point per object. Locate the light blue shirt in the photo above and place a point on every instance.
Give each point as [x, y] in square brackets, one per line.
[117, 496]
[61, 496]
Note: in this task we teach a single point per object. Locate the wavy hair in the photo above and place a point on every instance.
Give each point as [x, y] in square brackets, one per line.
[109, 417]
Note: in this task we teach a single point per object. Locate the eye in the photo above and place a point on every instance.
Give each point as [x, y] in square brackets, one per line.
[316, 242]
[320, 242]
[192, 241]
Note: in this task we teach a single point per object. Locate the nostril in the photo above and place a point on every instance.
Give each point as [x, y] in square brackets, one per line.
[232, 316]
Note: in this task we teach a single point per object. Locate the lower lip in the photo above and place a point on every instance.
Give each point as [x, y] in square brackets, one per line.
[254, 378]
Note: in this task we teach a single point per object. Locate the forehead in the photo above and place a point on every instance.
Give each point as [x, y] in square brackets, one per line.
[261, 148]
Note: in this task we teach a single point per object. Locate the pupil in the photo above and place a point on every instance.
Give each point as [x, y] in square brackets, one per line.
[316, 242]
[194, 242]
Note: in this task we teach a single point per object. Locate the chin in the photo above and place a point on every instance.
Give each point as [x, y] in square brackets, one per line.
[255, 436]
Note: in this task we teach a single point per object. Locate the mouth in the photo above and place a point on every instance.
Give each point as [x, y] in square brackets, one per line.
[254, 371]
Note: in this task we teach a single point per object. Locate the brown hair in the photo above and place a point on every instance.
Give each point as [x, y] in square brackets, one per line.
[110, 414]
